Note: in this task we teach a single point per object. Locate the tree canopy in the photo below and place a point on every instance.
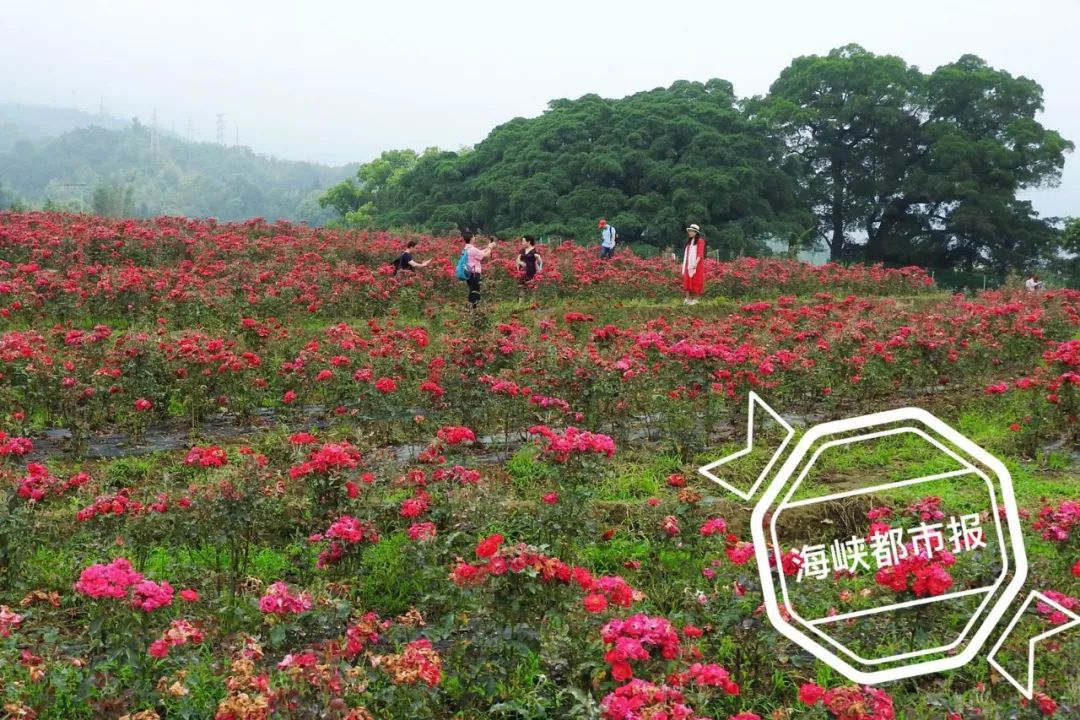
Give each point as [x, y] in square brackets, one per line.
[650, 163]
[864, 153]
[903, 166]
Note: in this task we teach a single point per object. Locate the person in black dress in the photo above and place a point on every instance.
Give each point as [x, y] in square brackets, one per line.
[406, 262]
[528, 261]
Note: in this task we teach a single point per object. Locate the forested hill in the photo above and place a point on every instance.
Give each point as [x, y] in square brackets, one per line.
[649, 162]
[30, 122]
[134, 171]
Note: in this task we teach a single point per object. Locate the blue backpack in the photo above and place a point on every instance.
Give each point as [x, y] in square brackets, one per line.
[462, 271]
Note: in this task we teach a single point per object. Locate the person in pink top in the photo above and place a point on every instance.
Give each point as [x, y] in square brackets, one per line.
[474, 263]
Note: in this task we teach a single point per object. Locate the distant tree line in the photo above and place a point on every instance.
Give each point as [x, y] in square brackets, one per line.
[860, 153]
[124, 173]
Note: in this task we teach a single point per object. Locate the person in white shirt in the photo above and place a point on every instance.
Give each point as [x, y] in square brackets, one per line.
[607, 240]
[1033, 283]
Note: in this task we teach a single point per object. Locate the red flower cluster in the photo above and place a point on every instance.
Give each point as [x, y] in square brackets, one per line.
[118, 504]
[927, 575]
[850, 703]
[1051, 613]
[635, 639]
[420, 532]
[1047, 705]
[599, 592]
[1057, 523]
[489, 546]
[417, 505]
[926, 509]
[452, 435]
[39, 483]
[208, 457]
[707, 675]
[418, 662]
[713, 526]
[560, 447]
[344, 531]
[638, 700]
[363, 633]
[14, 446]
[331, 457]
[180, 632]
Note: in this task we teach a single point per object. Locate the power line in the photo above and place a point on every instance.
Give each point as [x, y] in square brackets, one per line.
[221, 128]
[155, 144]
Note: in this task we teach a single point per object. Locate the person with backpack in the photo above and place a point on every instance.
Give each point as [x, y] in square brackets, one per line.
[405, 260]
[529, 261]
[608, 237]
[693, 267]
[470, 266]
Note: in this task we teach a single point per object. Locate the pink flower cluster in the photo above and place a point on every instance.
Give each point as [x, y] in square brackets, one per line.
[639, 699]
[149, 595]
[573, 442]
[670, 525]
[210, 456]
[1051, 613]
[713, 526]
[14, 446]
[634, 639]
[8, 621]
[850, 703]
[348, 530]
[423, 531]
[1057, 523]
[280, 600]
[927, 509]
[179, 632]
[119, 580]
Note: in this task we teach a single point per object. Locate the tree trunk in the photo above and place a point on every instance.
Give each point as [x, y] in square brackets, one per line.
[837, 246]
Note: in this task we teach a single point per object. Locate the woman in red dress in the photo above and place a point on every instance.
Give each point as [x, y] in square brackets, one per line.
[693, 265]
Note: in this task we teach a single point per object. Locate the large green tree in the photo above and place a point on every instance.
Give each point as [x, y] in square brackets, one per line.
[356, 200]
[649, 163]
[904, 166]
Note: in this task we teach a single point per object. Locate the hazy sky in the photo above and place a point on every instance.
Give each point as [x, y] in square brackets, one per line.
[341, 81]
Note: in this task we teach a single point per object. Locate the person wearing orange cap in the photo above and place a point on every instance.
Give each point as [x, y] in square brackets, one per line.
[693, 267]
[608, 235]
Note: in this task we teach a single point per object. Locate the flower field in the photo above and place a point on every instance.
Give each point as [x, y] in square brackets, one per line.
[249, 472]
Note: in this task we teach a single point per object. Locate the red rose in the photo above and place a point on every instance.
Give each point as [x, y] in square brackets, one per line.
[489, 546]
[621, 671]
[595, 603]
[811, 693]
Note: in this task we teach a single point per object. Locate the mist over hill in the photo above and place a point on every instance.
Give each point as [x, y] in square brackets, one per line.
[75, 160]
